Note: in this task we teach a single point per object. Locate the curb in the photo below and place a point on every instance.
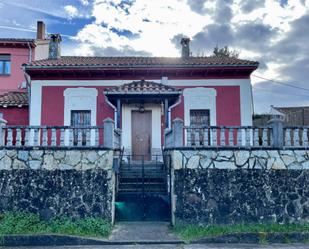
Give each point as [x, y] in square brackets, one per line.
[256, 238]
[68, 240]
[236, 238]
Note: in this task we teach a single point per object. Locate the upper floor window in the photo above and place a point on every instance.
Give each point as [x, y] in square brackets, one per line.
[5, 64]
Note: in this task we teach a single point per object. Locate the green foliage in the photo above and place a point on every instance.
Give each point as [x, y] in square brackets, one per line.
[225, 52]
[26, 223]
[191, 232]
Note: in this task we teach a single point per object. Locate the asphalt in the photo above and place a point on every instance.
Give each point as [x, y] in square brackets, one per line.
[195, 246]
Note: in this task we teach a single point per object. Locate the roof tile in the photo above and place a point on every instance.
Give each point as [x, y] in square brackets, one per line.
[142, 86]
[14, 99]
[73, 61]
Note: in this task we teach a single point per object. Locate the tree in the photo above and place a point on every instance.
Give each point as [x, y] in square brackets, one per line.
[225, 52]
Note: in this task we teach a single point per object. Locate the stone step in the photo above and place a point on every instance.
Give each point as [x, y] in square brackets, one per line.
[139, 190]
[140, 176]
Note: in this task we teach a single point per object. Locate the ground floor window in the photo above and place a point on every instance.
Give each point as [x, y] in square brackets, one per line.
[80, 118]
[199, 118]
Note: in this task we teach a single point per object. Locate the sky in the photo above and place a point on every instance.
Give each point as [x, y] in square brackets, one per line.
[273, 32]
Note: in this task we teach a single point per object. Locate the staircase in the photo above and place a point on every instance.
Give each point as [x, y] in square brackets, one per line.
[138, 178]
[142, 191]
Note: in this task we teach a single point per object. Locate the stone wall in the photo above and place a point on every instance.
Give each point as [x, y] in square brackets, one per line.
[228, 186]
[51, 183]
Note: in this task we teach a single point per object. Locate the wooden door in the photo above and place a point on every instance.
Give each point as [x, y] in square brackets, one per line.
[141, 135]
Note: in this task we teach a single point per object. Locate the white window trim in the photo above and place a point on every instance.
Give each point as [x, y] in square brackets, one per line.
[80, 98]
[200, 98]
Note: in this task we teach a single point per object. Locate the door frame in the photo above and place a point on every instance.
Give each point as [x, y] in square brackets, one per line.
[155, 126]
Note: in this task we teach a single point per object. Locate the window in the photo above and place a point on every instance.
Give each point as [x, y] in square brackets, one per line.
[5, 64]
[198, 119]
[80, 118]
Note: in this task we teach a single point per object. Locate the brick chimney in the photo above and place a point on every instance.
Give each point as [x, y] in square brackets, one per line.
[185, 50]
[54, 46]
[40, 31]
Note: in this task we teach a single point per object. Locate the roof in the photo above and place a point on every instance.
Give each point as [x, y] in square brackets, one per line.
[142, 87]
[275, 112]
[78, 61]
[14, 99]
[17, 42]
[291, 108]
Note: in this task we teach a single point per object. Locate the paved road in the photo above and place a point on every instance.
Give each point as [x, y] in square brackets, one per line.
[217, 246]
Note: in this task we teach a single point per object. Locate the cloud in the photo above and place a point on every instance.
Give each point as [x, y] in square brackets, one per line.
[141, 24]
[71, 11]
[200, 6]
[84, 2]
[272, 32]
[255, 36]
[248, 6]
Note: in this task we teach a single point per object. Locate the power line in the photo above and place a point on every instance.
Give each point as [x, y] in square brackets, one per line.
[276, 93]
[281, 83]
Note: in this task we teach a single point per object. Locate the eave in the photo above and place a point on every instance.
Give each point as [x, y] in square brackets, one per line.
[17, 44]
[139, 72]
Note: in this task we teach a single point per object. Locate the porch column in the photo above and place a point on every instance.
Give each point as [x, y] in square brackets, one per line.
[166, 113]
[118, 113]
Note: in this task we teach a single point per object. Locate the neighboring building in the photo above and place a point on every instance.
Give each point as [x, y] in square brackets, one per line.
[293, 116]
[297, 115]
[13, 87]
[143, 95]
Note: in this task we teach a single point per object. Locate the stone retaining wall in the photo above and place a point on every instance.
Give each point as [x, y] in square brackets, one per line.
[51, 183]
[228, 186]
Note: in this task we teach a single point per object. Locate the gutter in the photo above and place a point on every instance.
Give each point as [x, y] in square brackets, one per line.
[30, 51]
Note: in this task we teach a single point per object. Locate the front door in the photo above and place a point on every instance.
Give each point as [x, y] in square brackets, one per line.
[141, 135]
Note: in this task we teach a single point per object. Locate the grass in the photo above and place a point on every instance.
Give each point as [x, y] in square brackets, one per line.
[26, 223]
[192, 232]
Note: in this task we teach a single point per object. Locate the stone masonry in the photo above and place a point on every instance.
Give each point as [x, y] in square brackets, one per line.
[233, 186]
[55, 183]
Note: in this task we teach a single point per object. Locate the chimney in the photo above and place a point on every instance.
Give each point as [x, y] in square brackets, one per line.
[185, 50]
[40, 31]
[54, 46]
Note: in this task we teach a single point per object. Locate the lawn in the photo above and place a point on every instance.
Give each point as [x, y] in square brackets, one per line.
[26, 223]
[192, 232]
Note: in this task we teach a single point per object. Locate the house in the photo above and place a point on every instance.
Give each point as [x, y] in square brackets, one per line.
[142, 95]
[292, 116]
[13, 89]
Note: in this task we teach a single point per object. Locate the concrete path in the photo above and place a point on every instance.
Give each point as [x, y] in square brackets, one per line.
[143, 231]
[216, 246]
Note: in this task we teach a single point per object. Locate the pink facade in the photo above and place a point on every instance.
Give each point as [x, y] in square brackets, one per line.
[15, 115]
[227, 105]
[53, 105]
[18, 56]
